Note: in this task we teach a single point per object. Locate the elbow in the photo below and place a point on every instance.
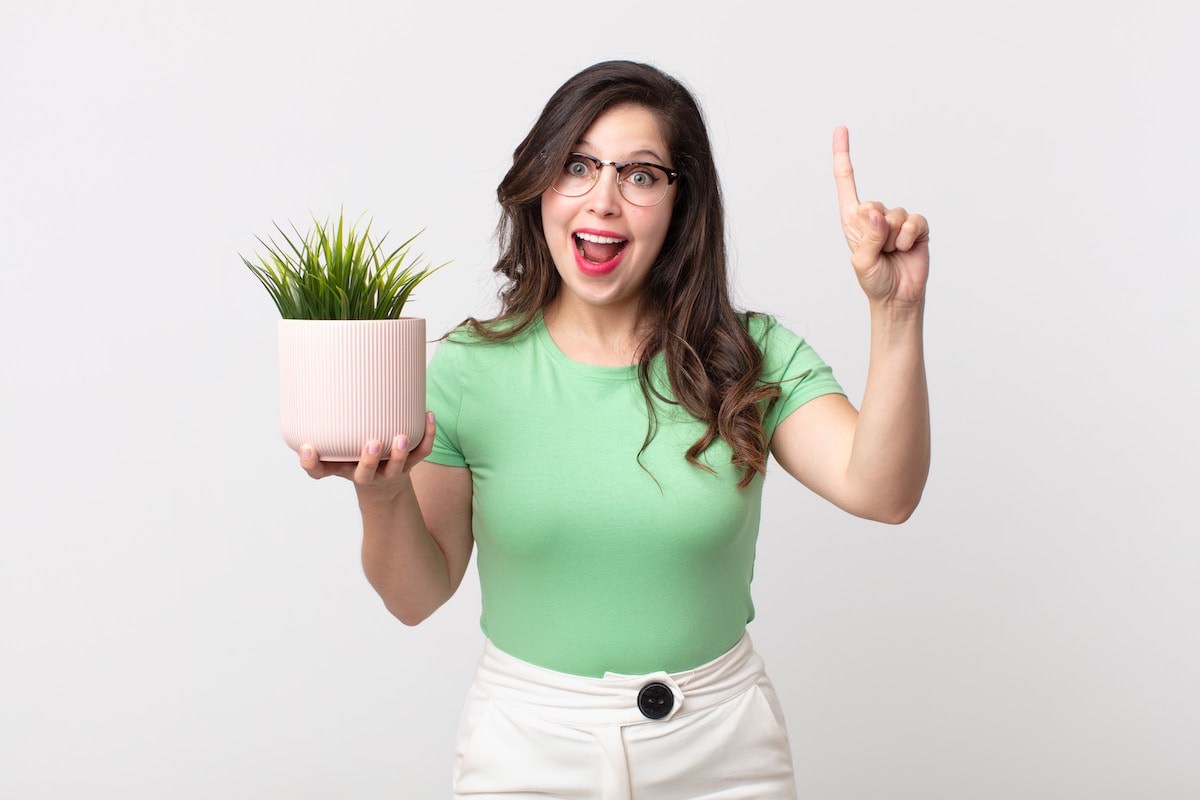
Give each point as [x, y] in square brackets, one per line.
[895, 512]
[898, 505]
[409, 617]
[410, 604]
[889, 496]
[897, 516]
[409, 613]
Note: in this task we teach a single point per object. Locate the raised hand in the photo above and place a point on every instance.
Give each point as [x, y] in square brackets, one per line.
[889, 247]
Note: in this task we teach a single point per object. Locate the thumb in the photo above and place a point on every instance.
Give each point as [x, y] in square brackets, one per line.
[873, 232]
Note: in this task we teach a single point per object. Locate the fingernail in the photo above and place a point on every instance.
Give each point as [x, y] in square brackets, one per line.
[306, 453]
[402, 442]
[373, 448]
[429, 416]
[873, 216]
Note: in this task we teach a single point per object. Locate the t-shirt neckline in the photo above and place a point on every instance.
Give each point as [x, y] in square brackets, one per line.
[594, 371]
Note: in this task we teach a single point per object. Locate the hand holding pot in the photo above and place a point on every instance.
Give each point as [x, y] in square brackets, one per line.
[371, 472]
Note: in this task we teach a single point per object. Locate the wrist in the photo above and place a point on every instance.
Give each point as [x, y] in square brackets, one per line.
[898, 314]
[381, 496]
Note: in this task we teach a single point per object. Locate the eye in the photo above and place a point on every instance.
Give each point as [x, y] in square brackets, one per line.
[578, 168]
[641, 176]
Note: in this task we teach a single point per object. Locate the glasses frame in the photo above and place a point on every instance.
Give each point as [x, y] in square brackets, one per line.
[619, 166]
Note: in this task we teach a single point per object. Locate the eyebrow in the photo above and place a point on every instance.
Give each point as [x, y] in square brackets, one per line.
[636, 155]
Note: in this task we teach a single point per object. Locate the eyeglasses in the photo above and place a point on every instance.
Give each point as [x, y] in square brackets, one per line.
[639, 182]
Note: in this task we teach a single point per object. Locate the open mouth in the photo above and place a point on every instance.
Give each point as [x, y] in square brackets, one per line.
[598, 249]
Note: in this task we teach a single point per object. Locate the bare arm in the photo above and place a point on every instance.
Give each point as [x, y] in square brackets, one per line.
[417, 536]
[872, 462]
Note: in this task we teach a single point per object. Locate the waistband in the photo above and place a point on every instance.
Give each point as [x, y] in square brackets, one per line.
[613, 699]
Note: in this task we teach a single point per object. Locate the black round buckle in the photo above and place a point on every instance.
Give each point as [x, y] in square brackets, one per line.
[655, 700]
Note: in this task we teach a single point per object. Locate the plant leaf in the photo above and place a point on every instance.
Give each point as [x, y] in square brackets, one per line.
[336, 270]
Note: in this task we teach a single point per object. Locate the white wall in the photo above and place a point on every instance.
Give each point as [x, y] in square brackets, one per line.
[182, 613]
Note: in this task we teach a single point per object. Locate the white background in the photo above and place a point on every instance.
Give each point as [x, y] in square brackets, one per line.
[182, 611]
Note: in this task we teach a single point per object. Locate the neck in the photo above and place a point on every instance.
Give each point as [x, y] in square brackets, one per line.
[604, 336]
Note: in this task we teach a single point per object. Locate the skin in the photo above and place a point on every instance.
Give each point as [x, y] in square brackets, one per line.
[594, 318]
[872, 462]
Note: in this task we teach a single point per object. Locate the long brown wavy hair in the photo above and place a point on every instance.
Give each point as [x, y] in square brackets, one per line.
[713, 365]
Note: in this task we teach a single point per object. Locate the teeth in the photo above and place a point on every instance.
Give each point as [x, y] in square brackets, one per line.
[591, 237]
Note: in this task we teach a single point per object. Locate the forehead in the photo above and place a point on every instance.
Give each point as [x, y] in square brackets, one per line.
[626, 132]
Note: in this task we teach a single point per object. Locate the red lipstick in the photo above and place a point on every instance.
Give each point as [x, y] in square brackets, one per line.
[598, 268]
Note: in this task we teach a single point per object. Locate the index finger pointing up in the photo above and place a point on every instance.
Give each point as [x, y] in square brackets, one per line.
[843, 172]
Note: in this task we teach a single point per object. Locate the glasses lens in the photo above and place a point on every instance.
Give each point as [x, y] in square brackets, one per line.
[643, 184]
[576, 178]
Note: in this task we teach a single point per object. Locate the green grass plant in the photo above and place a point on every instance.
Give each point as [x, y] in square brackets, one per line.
[337, 272]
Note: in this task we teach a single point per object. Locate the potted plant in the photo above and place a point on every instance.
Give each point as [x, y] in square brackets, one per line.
[351, 368]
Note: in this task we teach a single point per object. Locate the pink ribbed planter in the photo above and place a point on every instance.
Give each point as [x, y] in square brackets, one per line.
[345, 382]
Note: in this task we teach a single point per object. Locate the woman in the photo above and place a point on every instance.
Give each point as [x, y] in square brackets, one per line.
[603, 441]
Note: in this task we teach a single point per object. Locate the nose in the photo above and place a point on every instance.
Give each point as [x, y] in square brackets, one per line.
[605, 196]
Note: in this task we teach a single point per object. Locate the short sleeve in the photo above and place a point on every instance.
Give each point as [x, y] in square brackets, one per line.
[788, 359]
[443, 395]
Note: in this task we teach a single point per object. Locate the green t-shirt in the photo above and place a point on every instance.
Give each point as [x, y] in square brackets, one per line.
[587, 563]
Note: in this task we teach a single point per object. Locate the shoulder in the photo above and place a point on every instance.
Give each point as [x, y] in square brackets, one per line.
[492, 331]
[757, 324]
[768, 332]
[787, 356]
[476, 343]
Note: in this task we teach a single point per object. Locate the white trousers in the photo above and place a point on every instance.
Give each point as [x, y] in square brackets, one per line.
[714, 732]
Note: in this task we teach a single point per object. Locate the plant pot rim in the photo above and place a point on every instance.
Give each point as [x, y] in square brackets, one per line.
[396, 319]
